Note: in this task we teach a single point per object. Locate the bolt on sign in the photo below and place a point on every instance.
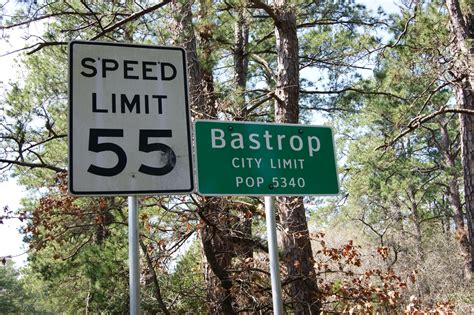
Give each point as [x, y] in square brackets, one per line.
[262, 159]
[129, 125]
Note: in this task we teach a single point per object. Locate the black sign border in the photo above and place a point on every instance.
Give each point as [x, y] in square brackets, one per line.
[71, 125]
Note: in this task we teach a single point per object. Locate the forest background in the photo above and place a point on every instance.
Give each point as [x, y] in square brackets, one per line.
[397, 88]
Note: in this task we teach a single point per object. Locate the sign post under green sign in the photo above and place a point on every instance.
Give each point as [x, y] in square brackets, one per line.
[252, 159]
[263, 159]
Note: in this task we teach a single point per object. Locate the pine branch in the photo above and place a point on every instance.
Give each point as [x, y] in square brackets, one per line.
[128, 18]
[420, 120]
[268, 9]
[156, 284]
[30, 165]
[132, 17]
[334, 22]
[349, 89]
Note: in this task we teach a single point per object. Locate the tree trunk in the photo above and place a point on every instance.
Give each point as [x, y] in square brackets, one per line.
[417, 220]
[201, 85]
[287, 85]
[154, 279]
[462, 29]
[184, 36]
[296, 241]
[241, 39]
[215, 248]
[241, 60]
[298, 255]
[455, 198]
[241, 65]
[465, 100]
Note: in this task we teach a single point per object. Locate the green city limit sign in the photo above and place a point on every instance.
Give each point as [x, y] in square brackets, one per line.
[262, 159]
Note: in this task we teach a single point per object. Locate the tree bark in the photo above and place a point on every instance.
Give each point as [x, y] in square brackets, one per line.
[217, 250]
[455, 198]
[241, 39]
[241, 59]
[298, 255]
[154, 279]
[465, 100]
[200, 79]
[417, 220]
[287, 85]
[462, 29]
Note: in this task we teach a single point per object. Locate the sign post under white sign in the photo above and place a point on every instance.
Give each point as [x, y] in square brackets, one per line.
[129, 130]
[129, 127]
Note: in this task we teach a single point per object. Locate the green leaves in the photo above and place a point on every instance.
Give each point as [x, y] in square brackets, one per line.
[11, 289]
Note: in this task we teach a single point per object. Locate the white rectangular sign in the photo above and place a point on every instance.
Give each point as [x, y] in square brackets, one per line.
[129, 125]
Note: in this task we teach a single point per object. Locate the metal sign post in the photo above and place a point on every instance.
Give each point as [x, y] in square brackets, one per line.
[273, 253]
[263, 159]
[129, 128]
[133, 257]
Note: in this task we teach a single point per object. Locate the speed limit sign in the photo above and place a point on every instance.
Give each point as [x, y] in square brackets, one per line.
[129, 125]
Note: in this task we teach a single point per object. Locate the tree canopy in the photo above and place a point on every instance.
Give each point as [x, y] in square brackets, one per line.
[397, 90]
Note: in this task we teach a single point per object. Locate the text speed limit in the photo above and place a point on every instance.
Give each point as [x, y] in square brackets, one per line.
[129, 120]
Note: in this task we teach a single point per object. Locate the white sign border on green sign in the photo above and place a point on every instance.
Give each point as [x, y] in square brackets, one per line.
[196, 153]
